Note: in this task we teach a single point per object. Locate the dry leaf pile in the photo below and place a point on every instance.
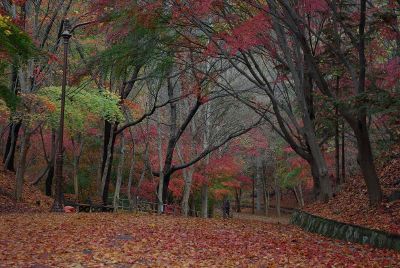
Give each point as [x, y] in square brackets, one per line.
[129, 240]
[351, 204]
[33, 200]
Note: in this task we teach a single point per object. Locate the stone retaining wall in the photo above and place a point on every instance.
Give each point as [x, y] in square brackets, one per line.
[344, 231]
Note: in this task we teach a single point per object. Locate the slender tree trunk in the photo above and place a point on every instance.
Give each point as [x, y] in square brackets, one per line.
[204, 200]
[120, 170]
[265, 196]
[9, 153]
[49, 178]
[367, 165]
[108, 154]
[301, 71]
[22, 163]
[343, 177]
[130, 179]
[277, 197]
[316, 181]
[99, 177]
[337, 152]
[366, 158]
[258, 184]
[161, 191]
[296, 194]
[188, 176]
[192, 207]
[301, 197]
[188, 172]
[136, 194]
[165, 168]
[50, 173]
[319, 168]
[11, 146]
[337, 145]
[75, 164]
[204, 188]
[105, 178]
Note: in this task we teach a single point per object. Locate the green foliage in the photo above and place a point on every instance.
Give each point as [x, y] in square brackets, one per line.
[83, 105]
[14, 42]
[290, 179]
[10, 99]
[15, 48]
[144, 45]
[4, 110]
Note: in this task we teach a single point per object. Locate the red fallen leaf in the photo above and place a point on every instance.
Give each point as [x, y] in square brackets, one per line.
[97, 239]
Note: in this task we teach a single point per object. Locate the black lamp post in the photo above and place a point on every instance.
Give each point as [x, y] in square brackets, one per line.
[58, 201]
[66, 35]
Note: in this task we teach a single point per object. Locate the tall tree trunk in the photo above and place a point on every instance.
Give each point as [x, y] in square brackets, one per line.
[204, 188]
[367, 165]
[343, 177]
[337, 144]
[204, 200]
[9, 153]
[11, 145]
[49, 178]
[162, 191]
[366, 158]
[301, 196]
[75, 163]
[265, 196]
[130, 179]
[22, 163]
[192, 207]
[316, 181]
[106, 167]
[120, 170]
[258, 185]
[136, 194]
[319, 168]
[188, 176]
[50, 173]
[277, 197]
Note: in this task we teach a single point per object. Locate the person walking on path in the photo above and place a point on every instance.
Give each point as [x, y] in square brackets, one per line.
[226, 206]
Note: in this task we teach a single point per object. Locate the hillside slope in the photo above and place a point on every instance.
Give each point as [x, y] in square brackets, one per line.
[33, 200]
[351, 205]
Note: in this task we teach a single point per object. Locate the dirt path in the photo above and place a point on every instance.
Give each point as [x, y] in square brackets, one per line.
[284, 219]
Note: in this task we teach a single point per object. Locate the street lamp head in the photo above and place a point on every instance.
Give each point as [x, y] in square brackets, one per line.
[66, 34]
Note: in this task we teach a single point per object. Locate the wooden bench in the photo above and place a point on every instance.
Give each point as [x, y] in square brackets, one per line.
[91, 208]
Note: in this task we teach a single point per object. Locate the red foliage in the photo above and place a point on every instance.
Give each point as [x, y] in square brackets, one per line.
[148, 190]
[248, 34]
[314, 6]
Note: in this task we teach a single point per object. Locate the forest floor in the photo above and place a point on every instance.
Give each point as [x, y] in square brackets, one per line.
[126, 240]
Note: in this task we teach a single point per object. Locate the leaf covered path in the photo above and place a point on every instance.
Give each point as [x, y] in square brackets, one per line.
[127, 240]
